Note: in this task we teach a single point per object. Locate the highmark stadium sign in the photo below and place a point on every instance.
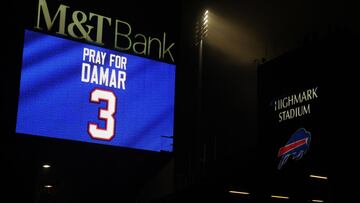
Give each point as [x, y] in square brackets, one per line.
[78, 91]
[295, 105]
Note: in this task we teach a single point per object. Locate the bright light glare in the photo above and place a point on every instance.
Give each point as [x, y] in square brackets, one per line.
[317, 200]
[239, 192]
[46, 166]
[206, 12]
[279, 197]
[48, 186]
[206, 21]
[319, 177]
[206, 17]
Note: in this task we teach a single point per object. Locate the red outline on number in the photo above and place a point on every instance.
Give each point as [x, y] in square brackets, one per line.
[100, 118]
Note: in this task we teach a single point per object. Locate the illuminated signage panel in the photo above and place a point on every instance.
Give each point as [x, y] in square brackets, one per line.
[76, 91]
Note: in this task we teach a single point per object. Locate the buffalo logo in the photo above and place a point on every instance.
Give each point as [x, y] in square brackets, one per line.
[296, 147]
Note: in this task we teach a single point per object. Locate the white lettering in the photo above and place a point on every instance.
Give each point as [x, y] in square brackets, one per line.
[85, 72]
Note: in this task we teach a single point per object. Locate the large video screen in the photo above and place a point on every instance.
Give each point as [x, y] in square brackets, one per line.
[76, 91]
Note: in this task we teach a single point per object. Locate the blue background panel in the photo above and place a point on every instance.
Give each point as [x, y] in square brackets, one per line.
[54, 102]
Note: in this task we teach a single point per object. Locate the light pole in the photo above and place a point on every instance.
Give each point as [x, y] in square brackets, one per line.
[201, 34]
[203, 30]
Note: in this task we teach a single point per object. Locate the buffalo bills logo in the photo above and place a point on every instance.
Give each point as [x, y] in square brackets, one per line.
[296, 147]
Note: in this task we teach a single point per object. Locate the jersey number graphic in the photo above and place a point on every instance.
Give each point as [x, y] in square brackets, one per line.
[106, 114]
